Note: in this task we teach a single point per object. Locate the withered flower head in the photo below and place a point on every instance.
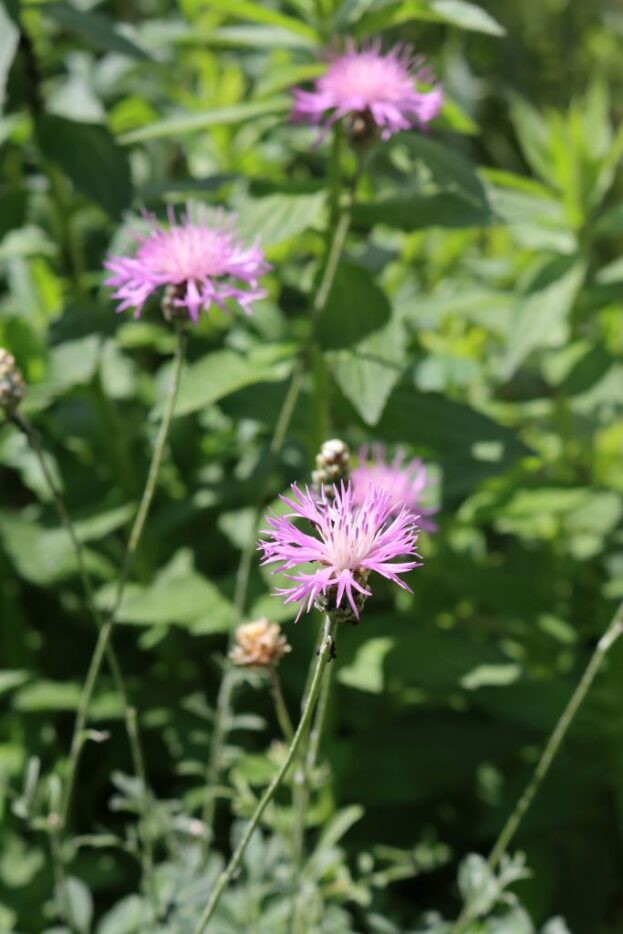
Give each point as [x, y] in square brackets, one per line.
[259, 644]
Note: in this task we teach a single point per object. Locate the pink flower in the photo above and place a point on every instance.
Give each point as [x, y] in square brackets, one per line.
[199, 257]
[378, 87]
[403, 482]
[348, 542]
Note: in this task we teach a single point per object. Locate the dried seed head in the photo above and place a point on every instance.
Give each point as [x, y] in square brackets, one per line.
[12, 386]
[260, 644]
[332, 465]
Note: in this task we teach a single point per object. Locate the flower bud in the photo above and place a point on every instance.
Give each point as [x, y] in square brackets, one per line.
[332, 464]
[260, 644]
[12, 386]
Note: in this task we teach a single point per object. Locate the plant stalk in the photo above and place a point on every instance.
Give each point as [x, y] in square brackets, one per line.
[612, 633]
[105, 632]
[324, 654]
[280, 431]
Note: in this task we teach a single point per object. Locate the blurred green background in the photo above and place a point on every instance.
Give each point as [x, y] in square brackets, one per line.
[476, 321]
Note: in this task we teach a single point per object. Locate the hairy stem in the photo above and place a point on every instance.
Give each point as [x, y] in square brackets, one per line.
[614, 630]
[324, 653]
[106, 629]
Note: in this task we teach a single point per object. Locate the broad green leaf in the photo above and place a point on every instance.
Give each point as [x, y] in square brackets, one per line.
[365, 672]
[129, 916]
[9, 39]
[451, 170]
[94, 29]
[491, 676]
[179, 595]
[223, 372]
[254, 37]
[88, 154]
[367, 372]
[356, 307]
[414, 212]
[542, 315]
[277, 218]
[192, 122]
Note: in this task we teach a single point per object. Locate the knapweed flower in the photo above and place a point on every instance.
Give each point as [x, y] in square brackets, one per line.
[199, 259]
[371, 88]
[260, 644]
[12, 386]
[403, 480]
[347, 541]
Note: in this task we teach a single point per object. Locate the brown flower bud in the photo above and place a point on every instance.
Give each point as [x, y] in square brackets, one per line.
[12, 386]
[332, 464]
[260, 644]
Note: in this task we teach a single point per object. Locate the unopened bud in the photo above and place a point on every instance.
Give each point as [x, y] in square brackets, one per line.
[260, 644]
[12, 386]
[332, 465]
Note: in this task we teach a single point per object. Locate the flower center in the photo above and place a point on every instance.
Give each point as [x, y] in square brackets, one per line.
[370, 78]
[187, 253]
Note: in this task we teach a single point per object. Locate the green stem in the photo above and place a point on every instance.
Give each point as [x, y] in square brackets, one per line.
[614, 630]
[324, 653]
[34, 442]
[105, 632]
[281, 710]
[280, 431]
[220, 730]
[59, 875]
[307, 763]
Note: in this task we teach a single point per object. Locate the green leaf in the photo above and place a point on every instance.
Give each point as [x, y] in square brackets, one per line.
[542, 315]
[467, 16]
[12, 679]
[259, 13]
[75, 900]
[367, 372]
[179, 595]
[218, 116]
[9, 40]
[94, 29]
[277, 218]
[355, 307]
[459, 13]
[223, 372]
[414, 212]
[365, 672]
[88, 154]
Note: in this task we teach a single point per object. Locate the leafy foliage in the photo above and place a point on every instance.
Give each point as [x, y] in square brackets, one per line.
[475, 321]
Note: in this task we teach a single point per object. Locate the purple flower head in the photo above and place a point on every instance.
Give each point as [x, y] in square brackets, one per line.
[199, 258]
[346, 540]
[380, 88]
[403, 482]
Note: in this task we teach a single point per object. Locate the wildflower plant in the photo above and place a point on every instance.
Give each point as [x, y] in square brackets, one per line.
[175, 753]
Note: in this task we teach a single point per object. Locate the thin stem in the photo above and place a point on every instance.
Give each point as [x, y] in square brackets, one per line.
[324, 653]
[306, 765]
[34, 442]
[281, 709]
[219, 733]
[280, 431]
[614, 630]
[59, 875]
[135, 535]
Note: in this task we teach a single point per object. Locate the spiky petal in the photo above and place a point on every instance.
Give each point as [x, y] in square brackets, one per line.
[199, 256]
[381, 87]
[347, 541]
[404, 481]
